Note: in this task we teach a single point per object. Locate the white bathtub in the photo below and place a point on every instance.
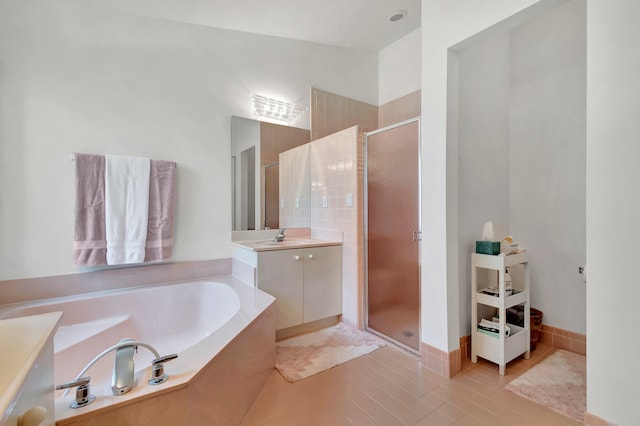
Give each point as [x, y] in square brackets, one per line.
[197, 320]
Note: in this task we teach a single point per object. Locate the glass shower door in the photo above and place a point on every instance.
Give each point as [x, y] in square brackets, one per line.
[393, 233]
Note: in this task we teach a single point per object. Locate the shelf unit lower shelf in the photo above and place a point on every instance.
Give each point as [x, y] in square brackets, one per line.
[487, 346]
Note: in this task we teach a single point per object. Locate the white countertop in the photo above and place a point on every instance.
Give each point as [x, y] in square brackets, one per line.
[21, 340]
[288, 243]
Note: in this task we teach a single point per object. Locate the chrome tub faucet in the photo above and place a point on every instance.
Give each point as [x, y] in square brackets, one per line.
[123, 368]
[123, 377]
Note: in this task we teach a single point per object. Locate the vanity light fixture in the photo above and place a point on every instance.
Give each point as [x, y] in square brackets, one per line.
[275, 109]
[398, 15]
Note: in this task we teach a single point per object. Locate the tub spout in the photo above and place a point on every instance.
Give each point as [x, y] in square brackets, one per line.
[123, 368]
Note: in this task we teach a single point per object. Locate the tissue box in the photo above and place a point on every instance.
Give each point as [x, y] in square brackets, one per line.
[488, 247]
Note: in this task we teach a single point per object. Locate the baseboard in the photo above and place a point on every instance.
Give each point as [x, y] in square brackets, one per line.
[307, 327]
[563, 339]
[593, 420]
[446, 364]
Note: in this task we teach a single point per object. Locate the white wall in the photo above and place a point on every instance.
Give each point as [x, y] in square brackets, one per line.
[444, 23]
[613, 209]
[483, 144]
[522, 146]
[548, 159]
[77, 80]
[399, 68]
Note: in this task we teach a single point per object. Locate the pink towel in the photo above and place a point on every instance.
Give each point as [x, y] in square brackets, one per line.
[161, 211]
[89, 245]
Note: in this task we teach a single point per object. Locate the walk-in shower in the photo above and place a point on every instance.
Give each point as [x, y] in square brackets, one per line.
[393, 233]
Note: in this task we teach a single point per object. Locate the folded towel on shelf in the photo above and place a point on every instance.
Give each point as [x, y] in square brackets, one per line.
[159, 243]
[89, 241]
[126, 208]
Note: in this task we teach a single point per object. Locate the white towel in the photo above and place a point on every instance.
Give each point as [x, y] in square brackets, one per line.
[126, 208]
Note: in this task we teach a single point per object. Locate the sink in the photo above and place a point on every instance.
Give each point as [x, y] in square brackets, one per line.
[288, 243]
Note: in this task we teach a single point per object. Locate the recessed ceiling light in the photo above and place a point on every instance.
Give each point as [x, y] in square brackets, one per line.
[396, 16]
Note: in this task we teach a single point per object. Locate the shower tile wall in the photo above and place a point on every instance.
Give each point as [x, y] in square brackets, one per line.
[295, 186]
[330, 169]
[331, 113]
[275, 139]
[335, 174]
[400, 109]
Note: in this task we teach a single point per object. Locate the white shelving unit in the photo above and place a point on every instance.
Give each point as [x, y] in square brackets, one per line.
[498, 348]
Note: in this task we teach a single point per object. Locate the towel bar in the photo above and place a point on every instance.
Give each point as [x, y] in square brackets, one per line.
[73, 158]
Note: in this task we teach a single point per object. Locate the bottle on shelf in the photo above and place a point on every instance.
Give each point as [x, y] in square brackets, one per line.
[508, 283]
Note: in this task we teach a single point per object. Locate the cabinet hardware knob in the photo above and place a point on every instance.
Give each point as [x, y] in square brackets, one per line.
[296, 257]
[310, 256]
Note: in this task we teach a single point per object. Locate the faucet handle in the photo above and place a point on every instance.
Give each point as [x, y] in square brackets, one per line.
[81, 381]
[165, 358]
[83, 393]
[157, 369]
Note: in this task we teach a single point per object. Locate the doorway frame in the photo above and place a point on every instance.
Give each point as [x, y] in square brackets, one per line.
[365, 155]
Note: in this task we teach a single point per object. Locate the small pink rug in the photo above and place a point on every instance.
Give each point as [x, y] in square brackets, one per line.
[558, 383]
[303, 356]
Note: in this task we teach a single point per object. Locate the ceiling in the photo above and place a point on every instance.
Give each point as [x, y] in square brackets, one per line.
[362, 24]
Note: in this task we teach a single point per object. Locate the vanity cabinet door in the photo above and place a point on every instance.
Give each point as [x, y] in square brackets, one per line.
[322, 282]
[280, 274]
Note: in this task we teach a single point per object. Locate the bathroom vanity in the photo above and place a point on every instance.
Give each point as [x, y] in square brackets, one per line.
[303, 274]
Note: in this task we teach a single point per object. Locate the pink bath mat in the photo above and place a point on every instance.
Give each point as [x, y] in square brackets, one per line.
[303, 356]
[558, 383]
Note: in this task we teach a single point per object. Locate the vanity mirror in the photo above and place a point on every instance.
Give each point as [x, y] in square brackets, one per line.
[255, 150]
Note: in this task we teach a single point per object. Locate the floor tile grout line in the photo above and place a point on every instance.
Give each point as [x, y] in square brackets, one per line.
[391, 397]
[394, 373]
[397, 385]
[382, 407]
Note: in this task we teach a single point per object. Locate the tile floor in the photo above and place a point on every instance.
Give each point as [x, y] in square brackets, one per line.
[390, 387]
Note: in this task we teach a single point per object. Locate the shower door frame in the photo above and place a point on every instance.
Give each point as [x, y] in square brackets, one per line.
[366, 233]
[263, 196]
